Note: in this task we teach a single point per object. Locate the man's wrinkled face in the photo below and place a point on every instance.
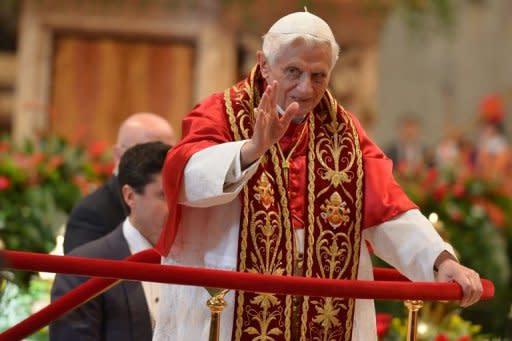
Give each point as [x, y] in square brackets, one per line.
[303, 72]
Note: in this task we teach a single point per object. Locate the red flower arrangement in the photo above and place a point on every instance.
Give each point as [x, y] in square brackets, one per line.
[39, 184]
[474, 213]
[5, 183]
[383, 324]
[441, 337]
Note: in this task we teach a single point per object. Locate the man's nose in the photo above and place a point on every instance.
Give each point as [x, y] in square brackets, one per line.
[305, 86]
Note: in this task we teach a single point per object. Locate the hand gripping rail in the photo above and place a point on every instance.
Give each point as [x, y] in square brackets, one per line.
[388, 284]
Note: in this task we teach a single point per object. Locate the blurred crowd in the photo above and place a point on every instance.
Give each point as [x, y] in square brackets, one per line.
[486, 154]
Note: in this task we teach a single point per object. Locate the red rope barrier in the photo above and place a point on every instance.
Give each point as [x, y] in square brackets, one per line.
[67, 302]
[239, 280]
[394, 288]
[384, 274]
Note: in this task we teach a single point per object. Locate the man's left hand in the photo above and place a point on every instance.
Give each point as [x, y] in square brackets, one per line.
[449, 270]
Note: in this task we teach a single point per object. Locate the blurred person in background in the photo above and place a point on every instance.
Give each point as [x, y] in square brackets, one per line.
[128, 310]
[455, 151]
[492, 157]
[100, 212]
[407, 151]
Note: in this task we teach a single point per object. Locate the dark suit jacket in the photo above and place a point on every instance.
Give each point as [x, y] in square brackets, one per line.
[121, 313]
[95, 215]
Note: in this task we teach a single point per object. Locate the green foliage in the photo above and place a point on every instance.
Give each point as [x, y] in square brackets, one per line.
[452, 327]
[17, 303]
[39, 184]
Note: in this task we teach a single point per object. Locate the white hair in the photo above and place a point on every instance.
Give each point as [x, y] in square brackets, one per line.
[306, 26]
[275, 43]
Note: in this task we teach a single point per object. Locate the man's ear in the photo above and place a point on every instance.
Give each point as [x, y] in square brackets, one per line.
[263, 63]
[128, 195]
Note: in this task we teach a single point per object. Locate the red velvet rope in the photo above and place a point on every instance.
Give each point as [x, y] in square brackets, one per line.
[67, 302]
[390, 285]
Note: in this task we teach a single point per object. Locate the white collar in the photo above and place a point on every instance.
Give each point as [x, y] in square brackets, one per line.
[296, 120]
[136, 241]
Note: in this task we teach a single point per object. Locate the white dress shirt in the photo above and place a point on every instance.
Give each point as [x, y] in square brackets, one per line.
[137, 243]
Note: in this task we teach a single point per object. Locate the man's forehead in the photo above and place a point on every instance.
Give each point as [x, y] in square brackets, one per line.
[315, 57]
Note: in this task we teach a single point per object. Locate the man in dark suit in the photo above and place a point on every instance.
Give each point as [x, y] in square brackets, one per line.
[126, 311]
[100, 212]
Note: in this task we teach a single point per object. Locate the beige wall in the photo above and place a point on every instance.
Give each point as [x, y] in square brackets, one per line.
[442, 76]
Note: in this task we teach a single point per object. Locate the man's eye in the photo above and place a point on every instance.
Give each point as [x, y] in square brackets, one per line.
[319, 77]
[293, 71]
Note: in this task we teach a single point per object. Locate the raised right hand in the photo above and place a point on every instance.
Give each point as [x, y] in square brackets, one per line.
[269, 127]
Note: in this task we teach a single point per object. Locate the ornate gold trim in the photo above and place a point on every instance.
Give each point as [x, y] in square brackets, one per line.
[265, 224]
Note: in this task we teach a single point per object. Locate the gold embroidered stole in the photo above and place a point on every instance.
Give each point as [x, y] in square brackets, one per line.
[333, 223]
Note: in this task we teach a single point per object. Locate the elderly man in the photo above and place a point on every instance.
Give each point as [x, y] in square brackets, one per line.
[274, 176]
[100, 212]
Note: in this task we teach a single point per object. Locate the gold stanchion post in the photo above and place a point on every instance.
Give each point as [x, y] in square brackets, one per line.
[216, 303]
[413, 306]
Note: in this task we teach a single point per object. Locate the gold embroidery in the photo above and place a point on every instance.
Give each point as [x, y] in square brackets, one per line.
[231, 116]
[328, 327]
[265, 232]
[263, 317]
[329, 151]
[359, 213]
[311, 222]
[288, 235]
[264, 191]
[260, 234]
[334, 256]
[335, 211]
[326, 313]
[286, 160]
[340, 162]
